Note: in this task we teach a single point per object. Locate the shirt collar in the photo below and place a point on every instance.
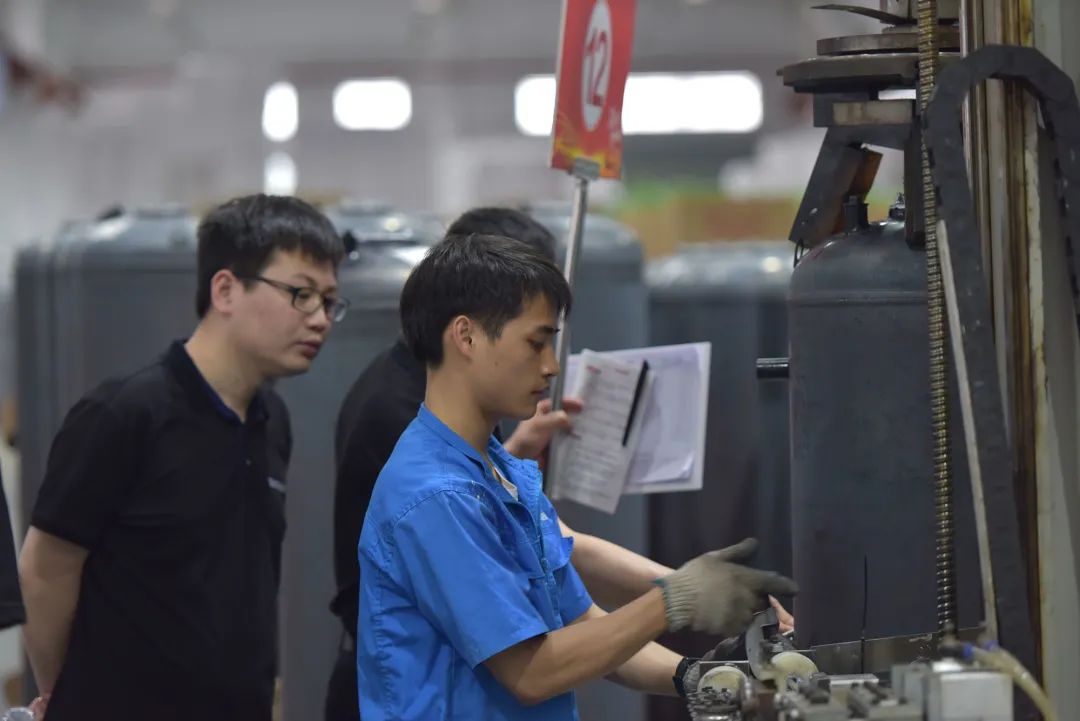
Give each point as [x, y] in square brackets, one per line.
[199, 391]
[521, 470]
[444, 432]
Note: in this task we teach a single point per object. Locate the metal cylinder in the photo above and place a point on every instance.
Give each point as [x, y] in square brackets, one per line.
[862, 497]
[610, 312]
[383, 246]
[733, 295]
[99, 299]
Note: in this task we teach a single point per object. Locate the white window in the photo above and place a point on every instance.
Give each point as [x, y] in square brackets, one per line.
[281, 112]
[659, 103]
[534, 104]
[373, 104]
[279, 174]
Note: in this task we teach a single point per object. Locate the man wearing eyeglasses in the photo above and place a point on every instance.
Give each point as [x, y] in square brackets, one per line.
[151, 567]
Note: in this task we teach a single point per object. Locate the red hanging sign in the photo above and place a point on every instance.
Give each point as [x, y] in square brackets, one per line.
[594, 60]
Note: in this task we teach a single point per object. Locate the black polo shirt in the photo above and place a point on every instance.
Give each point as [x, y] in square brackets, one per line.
[181, 506]
[380, 404]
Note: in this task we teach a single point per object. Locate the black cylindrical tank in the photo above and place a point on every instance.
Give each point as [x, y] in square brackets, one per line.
[101, 299]
[610, 312]
[861, 470]
[733, 295]
[384, 245]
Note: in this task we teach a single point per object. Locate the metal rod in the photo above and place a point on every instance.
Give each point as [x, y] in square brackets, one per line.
[971, 447]
[975, 146]
[562, 342]
[977, 129]
[929, 59]
[970, 141]
[573, 250]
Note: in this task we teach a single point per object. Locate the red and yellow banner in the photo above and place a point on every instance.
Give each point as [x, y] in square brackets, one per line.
[594, 61]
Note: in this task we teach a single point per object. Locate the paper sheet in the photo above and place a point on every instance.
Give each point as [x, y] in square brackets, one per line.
[593, 461]
[671, 448]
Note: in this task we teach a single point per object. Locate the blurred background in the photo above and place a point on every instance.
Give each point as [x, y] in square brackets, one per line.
[431, 107]
[192, 101]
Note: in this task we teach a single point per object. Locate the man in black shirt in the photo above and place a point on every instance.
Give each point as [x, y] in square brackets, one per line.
[380, 404]
[152, 563]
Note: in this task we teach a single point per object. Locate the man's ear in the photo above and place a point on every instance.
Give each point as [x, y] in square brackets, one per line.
[225, 289]
[462, 335]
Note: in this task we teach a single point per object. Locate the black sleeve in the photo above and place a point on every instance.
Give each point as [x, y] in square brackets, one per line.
[367, 446]
[91, 467]
[12, 612]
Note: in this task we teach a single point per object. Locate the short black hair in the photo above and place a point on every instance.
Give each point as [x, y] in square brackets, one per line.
[486, 277]
[241, 235]
[508, 223]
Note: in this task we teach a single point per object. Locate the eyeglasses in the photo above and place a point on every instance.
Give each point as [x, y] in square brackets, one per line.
[308, 300]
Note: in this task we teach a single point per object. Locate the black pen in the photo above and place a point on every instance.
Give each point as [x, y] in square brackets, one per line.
[636, 401]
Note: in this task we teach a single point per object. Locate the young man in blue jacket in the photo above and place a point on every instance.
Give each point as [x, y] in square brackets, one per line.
[469, 605]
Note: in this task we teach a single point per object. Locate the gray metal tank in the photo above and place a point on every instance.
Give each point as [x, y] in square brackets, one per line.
[384, 246]
[733, 295]
[102, 298]
[610, 312]
[7, 345]
[35, 341]
[862, 490]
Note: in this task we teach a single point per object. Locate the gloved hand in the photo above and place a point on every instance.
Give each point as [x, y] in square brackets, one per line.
[687, 676]
[688, 673]
[714, 594]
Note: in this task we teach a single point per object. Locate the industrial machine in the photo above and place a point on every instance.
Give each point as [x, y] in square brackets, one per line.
[884, 505]
[947, 689]
[954, 680]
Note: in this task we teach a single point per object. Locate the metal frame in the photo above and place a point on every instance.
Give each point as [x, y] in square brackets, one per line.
[990, 454]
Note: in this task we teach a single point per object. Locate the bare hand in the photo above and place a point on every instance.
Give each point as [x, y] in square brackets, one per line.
[531, 437]
[38, 707]
[787, 621]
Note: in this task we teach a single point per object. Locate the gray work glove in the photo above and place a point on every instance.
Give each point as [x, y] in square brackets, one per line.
[714, 594]
[688, 672]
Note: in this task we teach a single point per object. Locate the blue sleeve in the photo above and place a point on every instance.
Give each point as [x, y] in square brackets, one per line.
[464, 580]
[574, 599]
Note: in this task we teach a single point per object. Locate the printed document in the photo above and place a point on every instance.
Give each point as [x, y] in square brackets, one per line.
[592, 462]
[669, 455]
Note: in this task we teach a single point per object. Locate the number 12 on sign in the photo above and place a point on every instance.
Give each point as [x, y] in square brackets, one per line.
[597, 65]
[594, 60]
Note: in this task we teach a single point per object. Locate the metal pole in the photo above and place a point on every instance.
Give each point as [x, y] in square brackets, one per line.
[583, 172]
[573, 251]
[971, 38]
[971, 447]
[939, 367]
